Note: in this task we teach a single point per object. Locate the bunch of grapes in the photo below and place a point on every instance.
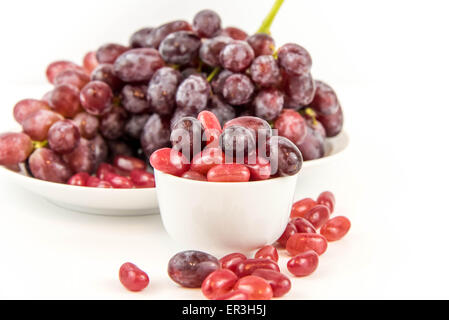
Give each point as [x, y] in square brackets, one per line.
[124, 101]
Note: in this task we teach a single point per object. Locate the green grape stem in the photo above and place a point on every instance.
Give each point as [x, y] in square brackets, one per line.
[40, 144]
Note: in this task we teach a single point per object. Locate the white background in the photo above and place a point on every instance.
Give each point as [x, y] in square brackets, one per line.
[388, 61]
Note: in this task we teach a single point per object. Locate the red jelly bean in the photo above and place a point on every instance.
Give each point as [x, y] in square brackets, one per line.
[247, 267]
[169, 161]
[94, 182]
[206, 160]
[318, 215]
[212, 127]
[261, 170]
[302, 242]
[218, 283]
[303, 264]
[280, 283]
[132, 277]
[267, 252]
[289, 231]
[193, 175]
[301, 207]
[103, 170]
[255, 287]
[126, 163]
[234, 295]
[303, 225]
[231, 261]
[231, 172]
[142, 179]
[79, 179]
[327, 198]
[119, 182]
[336, 228]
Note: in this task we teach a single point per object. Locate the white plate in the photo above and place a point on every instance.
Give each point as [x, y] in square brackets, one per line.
[132, 202]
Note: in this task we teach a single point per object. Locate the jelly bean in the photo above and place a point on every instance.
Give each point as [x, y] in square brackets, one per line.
[129, 163]
[142, 179]
[318, 215]
[302, 242]
[327, 198]
[218, 283]
[133, 278]
[247, 267]
[232, 260]
[193, 175]
[267, 252]
[231, 172]
[336, 228]
[301, 207]
[169, 161]
[280, 283]
[303, 225]
[212, 127]
[207, 159]
[255, 287]
[79, 179]
[289, 231]
[303, 264]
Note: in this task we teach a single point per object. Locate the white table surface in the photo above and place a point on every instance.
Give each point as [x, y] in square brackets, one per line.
[391, 183]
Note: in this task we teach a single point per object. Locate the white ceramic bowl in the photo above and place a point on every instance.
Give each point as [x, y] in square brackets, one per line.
[224, 217]
[144, 201]
[113, 202]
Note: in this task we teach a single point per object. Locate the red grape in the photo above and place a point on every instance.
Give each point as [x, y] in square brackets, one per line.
[134, 98]
[140, 38]
[82, 158]
[90, 62]
[180, 48]
[58, 66]
[262, 44]
[14, 148]
[100, 149]
[265, 71]
[259, 127]
[268, 104]
[192, 94]
[234, 33]
[65, 100]
[299, 90]
[285, 157]
[96, 98]
[63, 136]
[155, 134]
[46, 165]
[26, 107]
[292, 125]
[112, 124]
[219, 81]
[87, 124]
[105, 73]
[325, 100]
[238, 89]
[186, 136]
[206, 23]
[109, 52]
[313, 145]
[162, 90]
[138, 65]
[211, 48]
[332, 123]
[158, 34]
[294, 59]
[134, 125]
[223, 111]
[236, 56]
[75, 78]
[38, 123]
[237, 142]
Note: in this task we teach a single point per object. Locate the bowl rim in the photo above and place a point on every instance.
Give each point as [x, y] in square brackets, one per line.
[306, 164]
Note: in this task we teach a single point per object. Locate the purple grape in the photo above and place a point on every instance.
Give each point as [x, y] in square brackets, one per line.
[299, 90]
[109, 52]
[135, 124]
[134, 98]
[237, 142]
[206, 23]
[96, 98]
[285, 157]
[211, 48]
[162, 90]
[237, 56]
[14, 148]
[63, 136]
[294, 59]
[258, 126]
[112, 124]
[190, 268]
[268, 104]
[234, 33]
[65, 100]
[119, 148]
[190, 71]
[160, 33]
[26, 107]
[88, 124]
[332, 123]
[75, 78]
[312, 146]
[105, 73]
[223, 111]
[138, 65]
[219, 81]
[265, 71]
[99, 149]
[181, 113]
[155, 134]
[139, 39]
[325, 100]
[192, 94]
[45, 164]
[262, 44]
[186, 136]
[238, 89]
[37, 124]
[180, 48]
[82, 158]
